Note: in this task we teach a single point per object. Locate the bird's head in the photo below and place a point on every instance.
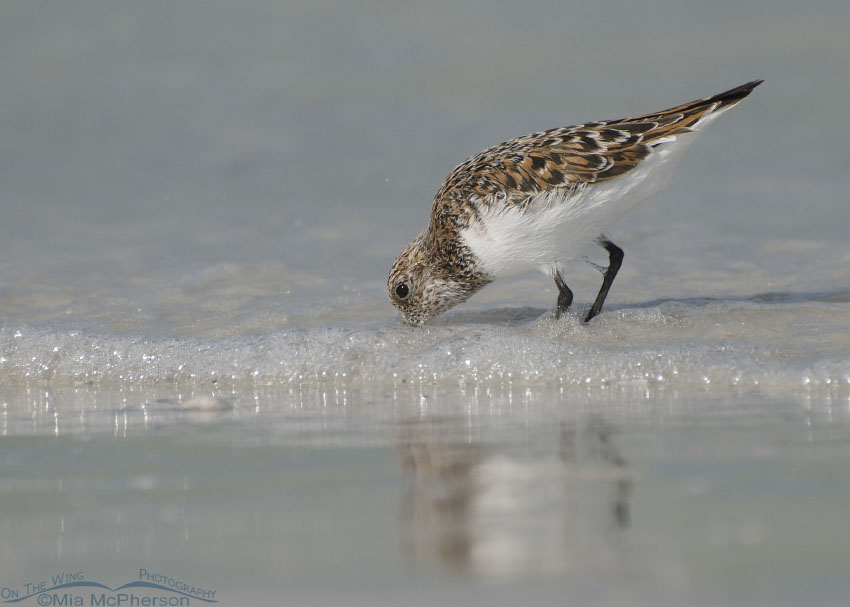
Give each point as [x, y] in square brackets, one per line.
[421, 286]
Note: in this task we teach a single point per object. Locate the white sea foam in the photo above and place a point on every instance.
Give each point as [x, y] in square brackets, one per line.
[687, 345]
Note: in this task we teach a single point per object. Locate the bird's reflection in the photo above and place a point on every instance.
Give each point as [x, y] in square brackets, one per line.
[600, 447]
[506, 509]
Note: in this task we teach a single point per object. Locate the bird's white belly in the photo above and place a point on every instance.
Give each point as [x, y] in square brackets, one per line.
[509, 240]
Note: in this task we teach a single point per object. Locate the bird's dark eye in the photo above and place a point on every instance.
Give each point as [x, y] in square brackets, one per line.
[402, 291]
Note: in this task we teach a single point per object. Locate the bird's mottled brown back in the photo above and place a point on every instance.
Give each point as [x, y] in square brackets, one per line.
[567, 158]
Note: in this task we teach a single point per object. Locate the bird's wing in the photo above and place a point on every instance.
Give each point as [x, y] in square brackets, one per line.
[571, 157]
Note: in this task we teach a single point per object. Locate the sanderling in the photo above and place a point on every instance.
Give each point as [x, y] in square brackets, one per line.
[537, 201]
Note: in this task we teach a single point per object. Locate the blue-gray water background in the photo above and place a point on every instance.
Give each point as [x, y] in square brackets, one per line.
[200, 372]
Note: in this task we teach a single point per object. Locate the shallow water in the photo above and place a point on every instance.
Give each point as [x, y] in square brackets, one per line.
[201, 374]
[627, 495]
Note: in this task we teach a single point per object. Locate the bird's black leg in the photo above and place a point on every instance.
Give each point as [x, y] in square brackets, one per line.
[615, 256]
[565, 296]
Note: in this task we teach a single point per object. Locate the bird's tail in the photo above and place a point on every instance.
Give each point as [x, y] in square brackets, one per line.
[694, 115]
